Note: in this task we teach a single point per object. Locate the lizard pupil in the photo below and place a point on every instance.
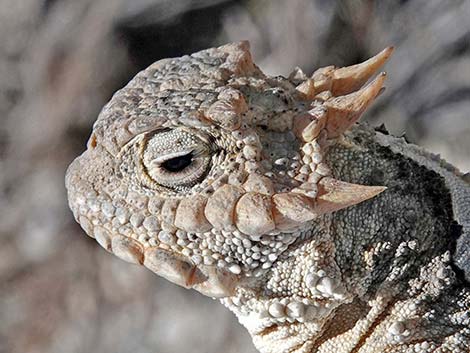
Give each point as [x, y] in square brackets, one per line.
[177, 164]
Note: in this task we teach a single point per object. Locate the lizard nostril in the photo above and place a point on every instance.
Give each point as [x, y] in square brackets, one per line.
[92, 141]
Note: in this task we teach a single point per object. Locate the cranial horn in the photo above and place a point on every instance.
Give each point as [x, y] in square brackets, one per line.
[334, 195]
[348, 79]
[307, 88]
[344, 111]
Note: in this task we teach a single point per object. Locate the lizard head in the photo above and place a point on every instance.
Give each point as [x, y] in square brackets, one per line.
[206, 171]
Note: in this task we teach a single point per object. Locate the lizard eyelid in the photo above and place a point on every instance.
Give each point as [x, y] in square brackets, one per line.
[169, 156]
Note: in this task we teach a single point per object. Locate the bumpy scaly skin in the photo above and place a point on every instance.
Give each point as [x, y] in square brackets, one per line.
[248, 188]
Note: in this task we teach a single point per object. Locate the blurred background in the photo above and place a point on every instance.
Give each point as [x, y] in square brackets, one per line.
[61, 60]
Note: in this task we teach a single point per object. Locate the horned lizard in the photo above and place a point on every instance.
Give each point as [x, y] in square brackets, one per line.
[320, 233]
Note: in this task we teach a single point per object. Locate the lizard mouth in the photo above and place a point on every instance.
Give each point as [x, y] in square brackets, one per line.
[208, 280]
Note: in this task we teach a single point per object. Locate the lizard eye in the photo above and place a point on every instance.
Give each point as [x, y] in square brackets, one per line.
[177, 164]
[176, 158]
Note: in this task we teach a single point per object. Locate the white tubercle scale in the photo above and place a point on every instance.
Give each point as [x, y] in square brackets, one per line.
[278, 310]
[321, 284]
[397, 331]
[295, 310]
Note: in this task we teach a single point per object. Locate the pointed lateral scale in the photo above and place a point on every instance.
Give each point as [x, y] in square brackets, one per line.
[344, 111]
[334, 195]
[292, 209]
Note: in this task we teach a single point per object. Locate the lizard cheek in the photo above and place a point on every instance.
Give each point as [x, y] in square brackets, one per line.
[220, 207]
[190, 215]
[253, 214]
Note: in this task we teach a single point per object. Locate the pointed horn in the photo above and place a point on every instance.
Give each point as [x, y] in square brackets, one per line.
[349, 79]
[297, 75]
[334, 195]
[292, 209]
[238, 60]
[344, 111]
[307, 89]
